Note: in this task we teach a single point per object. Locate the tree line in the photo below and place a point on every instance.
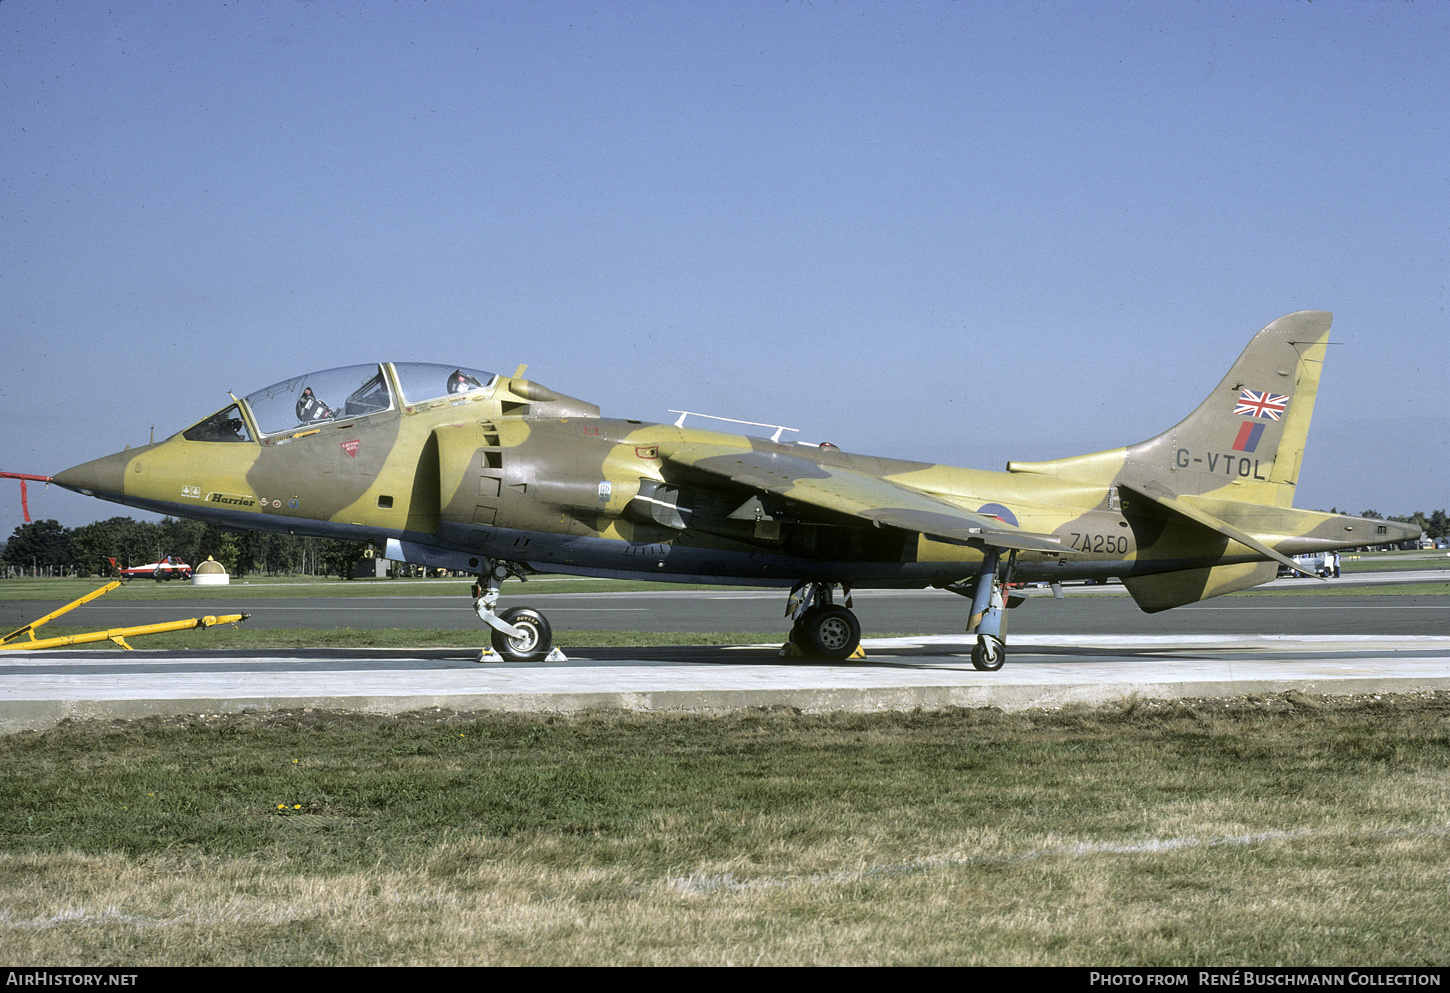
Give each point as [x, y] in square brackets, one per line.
[1434, 525]
[88, 549]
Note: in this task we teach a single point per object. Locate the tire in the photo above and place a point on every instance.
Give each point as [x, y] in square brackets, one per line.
[830, 633]
[989, 654]
[537, 639]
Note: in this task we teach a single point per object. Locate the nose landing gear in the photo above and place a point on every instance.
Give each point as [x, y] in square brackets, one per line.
[520, 634]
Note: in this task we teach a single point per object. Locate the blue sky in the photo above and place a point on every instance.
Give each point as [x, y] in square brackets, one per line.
[961, 232]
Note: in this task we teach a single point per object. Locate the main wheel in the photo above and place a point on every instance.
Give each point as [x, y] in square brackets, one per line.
[829, 632]
[535, 641]
[989, 653]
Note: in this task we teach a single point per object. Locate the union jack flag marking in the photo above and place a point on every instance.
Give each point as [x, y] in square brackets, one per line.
[1270, 405]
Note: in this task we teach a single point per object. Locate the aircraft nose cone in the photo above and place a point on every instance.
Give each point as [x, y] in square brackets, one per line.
[101, 478]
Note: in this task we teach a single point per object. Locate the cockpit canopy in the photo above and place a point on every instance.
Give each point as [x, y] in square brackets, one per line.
[353, 391]
[358, 390]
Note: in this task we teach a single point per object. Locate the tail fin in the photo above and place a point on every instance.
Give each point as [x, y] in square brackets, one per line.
[1244, 443]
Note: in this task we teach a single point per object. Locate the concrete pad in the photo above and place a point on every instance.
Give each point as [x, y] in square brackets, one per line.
[38, 689]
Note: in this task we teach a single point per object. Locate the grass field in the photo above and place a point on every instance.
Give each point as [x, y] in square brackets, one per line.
[1377, 561]
[1282, 830]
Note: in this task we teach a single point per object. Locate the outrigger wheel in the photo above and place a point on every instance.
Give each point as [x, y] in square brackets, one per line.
[988, 655]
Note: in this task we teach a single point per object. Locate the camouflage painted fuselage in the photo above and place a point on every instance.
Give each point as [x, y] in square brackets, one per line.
[515, 472]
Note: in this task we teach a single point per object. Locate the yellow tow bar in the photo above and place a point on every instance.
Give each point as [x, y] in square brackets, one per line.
[14, 642]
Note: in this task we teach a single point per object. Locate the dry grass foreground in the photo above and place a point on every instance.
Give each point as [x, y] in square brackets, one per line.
[1283, 830]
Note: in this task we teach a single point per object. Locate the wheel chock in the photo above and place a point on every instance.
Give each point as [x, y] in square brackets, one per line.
[489, 655]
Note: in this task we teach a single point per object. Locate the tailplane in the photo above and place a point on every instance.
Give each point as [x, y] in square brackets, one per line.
[1211, 497]
[1211, 500]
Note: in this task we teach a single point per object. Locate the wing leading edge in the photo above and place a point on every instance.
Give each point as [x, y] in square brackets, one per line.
[858, 494]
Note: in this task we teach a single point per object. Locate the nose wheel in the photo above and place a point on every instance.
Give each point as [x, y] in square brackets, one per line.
[533, 641]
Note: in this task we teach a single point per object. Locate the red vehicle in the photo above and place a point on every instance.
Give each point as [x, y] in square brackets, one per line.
[170, 567]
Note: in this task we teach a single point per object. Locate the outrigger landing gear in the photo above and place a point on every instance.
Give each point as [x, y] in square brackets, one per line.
[820, 628]
[988, 618]
[520, 634]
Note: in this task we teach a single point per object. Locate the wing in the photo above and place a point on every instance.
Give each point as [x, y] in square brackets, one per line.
[857, 494]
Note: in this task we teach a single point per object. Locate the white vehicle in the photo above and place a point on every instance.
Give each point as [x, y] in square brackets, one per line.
[1323, 564]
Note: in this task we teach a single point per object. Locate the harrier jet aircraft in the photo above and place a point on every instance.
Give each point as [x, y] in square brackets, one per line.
[451, 467]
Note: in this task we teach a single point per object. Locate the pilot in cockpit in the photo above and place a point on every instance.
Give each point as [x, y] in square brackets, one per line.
[310, 409]
[461, 382]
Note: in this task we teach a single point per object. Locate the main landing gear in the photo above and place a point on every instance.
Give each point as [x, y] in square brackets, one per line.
[821, 629]
[520, 634]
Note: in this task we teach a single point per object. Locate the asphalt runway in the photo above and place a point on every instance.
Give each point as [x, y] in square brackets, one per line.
[880, 611]
[1088, 648]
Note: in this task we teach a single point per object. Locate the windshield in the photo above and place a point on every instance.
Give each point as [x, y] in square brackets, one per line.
[226, 425]
[422, 381]
[320, 397]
